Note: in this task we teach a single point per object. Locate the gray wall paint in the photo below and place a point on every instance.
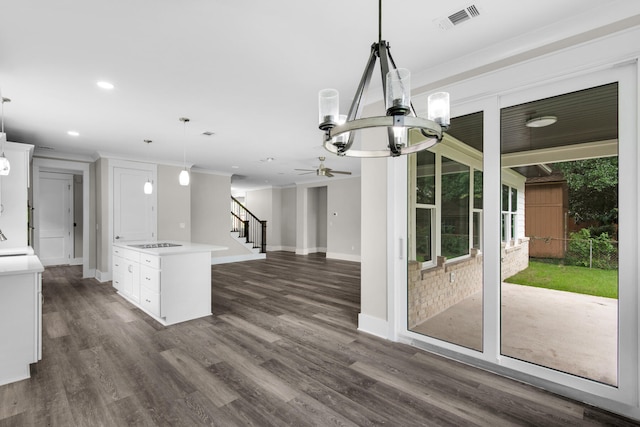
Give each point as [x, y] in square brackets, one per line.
[210, 213]
[288, 218]
[77, 216]
[343, 222]
[302, 217]
[312, 219]
[321, 226]
[174, 205]
[261, 204]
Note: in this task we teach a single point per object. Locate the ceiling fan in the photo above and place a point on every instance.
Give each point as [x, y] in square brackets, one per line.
[322, 170]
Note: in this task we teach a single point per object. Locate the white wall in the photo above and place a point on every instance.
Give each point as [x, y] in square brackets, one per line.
[174, 205]
[321, 234]
[312, 220]
[211, 213]
[264, 204]
[288, 219]
[343, 219]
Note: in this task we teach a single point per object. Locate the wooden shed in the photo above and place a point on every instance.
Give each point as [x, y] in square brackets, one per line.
[546, 216]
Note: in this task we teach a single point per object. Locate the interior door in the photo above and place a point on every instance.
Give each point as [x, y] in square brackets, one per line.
[133, 211]
[56, 218]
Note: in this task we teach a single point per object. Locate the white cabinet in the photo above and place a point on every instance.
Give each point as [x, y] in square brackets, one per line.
[173, 284]
[20, 316]
[150, 284]
[13, 197]
[126, 272]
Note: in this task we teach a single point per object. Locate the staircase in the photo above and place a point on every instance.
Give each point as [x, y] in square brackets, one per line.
[247, 228]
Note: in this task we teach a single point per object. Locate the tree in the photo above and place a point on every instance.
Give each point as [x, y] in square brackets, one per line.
[593, 189]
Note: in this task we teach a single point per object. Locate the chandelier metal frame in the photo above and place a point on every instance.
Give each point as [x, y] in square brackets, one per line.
[397, 116]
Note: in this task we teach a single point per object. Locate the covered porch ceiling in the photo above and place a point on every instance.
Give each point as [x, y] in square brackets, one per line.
[586, 127]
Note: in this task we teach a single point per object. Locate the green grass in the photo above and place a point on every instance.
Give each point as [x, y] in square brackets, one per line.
[581, 280]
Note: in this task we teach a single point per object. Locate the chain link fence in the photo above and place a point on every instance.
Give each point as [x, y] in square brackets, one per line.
[580, 249]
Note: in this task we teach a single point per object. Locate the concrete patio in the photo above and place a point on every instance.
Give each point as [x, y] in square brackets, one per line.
[569, 332]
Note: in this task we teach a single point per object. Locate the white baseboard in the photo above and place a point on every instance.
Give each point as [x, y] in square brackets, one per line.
[103, 276]
[343, 257]
[281, 248]
[373, 325]
[308, 251]
[75, 261]
[236, 258]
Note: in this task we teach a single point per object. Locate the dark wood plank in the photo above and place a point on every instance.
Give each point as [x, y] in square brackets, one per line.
[282, 348]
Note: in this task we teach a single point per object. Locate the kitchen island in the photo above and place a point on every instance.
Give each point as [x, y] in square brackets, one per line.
[168, 280]
[20, 316]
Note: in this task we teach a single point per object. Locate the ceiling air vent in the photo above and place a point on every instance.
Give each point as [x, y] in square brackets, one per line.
[458, 17]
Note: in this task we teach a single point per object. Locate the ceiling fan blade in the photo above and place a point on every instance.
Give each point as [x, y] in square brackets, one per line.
[305, 170]
[306, 173]
[342, 172]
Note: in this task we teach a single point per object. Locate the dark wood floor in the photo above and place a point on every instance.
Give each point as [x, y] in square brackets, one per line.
[281, 349]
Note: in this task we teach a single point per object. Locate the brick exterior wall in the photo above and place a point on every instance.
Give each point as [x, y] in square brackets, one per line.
[433, 290]
[514, 258]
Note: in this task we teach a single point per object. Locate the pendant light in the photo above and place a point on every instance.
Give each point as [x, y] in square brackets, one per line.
[400, 115]
[148, 186]
[5, 166]
[183, 178]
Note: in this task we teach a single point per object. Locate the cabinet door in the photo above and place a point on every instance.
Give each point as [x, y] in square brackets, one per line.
[13, 198]
[131, 282]
[119, 268]
[150, 301]
[150, 278]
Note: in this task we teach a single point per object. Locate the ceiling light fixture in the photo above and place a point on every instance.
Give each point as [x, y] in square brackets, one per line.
[540, 122]
[148, 186]
[183, 178]
[105, 85]
[73, 133]
[401, 116]
[5, 166]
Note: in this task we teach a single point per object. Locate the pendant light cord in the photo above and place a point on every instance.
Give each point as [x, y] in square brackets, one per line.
[379, 21]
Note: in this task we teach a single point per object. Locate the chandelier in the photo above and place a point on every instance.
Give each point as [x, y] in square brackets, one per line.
[339, 130]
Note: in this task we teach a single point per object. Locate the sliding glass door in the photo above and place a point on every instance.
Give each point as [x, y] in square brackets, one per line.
[560, 231]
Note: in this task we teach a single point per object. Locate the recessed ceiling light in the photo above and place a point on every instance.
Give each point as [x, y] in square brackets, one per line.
[540, 122]
[208, 133]
[73, 133]
[235, 167]
[105, 85]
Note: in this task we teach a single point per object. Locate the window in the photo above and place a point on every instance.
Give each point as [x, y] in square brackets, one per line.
[477, 210]
[455, 209]
[425, 206]
[509, 213]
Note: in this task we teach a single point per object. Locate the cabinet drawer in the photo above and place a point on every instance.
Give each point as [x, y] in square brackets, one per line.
[150, 260]
[126, 254]
[150, 278]
[150, 301]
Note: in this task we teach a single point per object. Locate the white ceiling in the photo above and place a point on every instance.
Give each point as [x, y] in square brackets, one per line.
[247, 70]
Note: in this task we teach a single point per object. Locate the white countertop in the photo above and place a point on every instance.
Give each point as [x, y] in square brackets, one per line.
[184, 248]
[20, 264]
[24, 250]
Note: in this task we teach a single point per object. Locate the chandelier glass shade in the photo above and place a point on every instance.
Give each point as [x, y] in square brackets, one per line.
[340, 131]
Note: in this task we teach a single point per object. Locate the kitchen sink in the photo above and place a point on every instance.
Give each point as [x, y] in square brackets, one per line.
[155, 245]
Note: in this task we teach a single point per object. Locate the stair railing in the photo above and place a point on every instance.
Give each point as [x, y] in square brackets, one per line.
[249, 227]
